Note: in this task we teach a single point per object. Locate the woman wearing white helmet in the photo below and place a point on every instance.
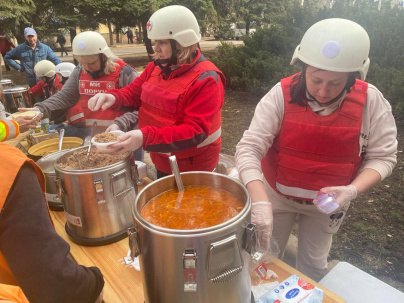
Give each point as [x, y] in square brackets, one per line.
[64, 69]
[321, 130]
[49, 83]
[98, 70]
[180, 96]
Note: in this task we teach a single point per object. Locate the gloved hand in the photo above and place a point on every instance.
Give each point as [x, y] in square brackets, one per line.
[129, 141]
[344, 193]
[262, 217]
[101, 101]
[112, 127]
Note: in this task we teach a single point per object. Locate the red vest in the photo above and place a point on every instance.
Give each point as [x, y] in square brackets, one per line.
[313, 151]
[75, 115]
[90, 87]
[163, 105]
[56, 87]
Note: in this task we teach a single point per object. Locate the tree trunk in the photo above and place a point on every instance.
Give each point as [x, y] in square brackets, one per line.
[73, 33]
[247, 26]
[117, 31]
[111, 37]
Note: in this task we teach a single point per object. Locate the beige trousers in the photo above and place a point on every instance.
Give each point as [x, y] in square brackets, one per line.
[314, 235]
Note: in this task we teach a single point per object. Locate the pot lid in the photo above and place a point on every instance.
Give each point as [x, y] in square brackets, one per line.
[16, 89]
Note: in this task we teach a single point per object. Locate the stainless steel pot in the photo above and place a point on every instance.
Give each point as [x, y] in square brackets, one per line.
[97, 201]
[6, 83]
[46, 163]
[15, 97]
[202, 265]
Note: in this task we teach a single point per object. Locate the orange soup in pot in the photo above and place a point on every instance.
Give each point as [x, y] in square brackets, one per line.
[197, 207]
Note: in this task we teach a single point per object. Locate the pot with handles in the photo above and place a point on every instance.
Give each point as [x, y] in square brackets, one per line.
[97, 202]
[46, 163]
[200, 265]
[16, 97]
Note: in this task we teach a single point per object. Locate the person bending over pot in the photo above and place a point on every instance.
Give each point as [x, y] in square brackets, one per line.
[323, 129]
[180, 96]
[98, 71]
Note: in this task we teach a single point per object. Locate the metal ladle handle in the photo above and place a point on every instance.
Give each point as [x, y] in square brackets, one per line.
[176, 172]
[61, 135]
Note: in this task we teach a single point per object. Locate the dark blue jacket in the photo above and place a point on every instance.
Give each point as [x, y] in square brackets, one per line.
[29, 58]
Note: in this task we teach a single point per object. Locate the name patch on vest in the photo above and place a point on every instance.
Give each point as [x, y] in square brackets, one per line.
[88, 87]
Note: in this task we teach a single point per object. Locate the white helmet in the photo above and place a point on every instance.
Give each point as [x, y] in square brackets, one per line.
[44, 68]
[174, 22]
[90, 43]
[65, 69]
[337, 45]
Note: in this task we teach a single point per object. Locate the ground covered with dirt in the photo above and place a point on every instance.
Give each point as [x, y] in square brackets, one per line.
[372, 235]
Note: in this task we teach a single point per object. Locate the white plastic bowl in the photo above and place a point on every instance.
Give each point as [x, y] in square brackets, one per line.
[102, 147]
[37, 113]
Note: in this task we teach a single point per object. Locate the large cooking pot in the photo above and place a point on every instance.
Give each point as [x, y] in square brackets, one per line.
[198, 266]
[6, 83]
[97, 202]
[16, 97]
[46, 163]
[38, 150]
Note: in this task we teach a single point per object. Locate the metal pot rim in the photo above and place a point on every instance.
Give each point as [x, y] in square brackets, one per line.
[88, 171]
[186, 232]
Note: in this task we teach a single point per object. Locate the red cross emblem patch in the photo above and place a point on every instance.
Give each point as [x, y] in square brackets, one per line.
[149, 25]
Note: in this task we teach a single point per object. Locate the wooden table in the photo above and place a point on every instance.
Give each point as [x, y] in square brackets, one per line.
[124, 284]
[16, 142]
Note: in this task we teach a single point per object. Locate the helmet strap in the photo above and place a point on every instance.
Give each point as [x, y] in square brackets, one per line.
[47, 79]
[171, 61]
[99, 73]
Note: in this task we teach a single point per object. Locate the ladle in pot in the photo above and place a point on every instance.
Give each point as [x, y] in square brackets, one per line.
[176, 173]
[92, 135]
[61, 135]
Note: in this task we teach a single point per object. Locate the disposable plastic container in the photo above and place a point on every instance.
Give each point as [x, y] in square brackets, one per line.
[326, 202]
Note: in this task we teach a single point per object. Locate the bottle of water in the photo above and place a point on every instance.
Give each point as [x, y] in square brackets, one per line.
[326, 202]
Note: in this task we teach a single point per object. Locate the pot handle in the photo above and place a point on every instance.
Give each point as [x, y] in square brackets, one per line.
[59, 188]
[225, 260]
[119, 185]
[133, 242]
[135, 176]
[250, 238]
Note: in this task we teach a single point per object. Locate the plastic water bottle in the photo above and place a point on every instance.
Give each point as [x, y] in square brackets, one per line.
[326, 202]
[45, 125]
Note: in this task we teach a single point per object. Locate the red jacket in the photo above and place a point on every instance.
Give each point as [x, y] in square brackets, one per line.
[179, 114]
[47, 89]
[5, 45]
[313, 151]
[89, 87]
[74, 114]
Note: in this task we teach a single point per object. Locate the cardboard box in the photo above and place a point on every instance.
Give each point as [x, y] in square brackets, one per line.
[35, 138]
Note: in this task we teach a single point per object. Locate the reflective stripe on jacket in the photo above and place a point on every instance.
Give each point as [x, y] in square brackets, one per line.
[9, 170]
[8, 129]
[313, 151]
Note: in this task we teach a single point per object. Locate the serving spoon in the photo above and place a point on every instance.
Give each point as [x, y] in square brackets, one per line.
[61, 135]
[176, 172]
[92, 135]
